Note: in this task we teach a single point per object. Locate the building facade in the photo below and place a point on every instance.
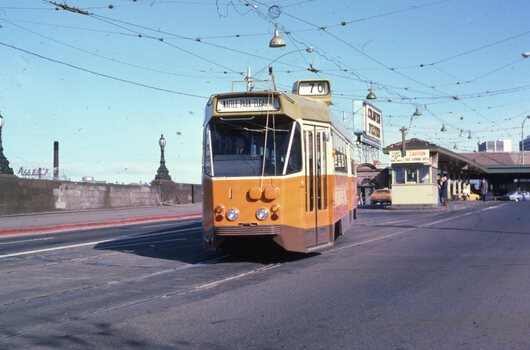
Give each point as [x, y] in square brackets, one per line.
[495, 146]
[525, 144]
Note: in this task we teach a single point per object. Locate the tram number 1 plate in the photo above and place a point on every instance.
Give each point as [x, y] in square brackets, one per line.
[248, 104]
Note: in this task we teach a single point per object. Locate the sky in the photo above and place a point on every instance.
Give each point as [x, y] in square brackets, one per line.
[105, 78]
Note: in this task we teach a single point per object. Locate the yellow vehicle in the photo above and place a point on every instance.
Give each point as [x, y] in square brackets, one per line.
[473, 197]
[381, 196]
[278, 168]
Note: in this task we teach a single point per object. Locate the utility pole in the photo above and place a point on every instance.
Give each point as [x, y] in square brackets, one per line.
[403, 147]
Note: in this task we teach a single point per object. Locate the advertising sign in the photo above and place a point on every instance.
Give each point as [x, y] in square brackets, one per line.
[372, 122]
[368, 123]
[413, 156]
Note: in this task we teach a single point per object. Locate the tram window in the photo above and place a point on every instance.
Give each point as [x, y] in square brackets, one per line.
[319, 171]
[295, 157]
[239, 147]
[207, 163]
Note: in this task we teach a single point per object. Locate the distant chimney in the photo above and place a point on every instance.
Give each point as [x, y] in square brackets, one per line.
[56, 160]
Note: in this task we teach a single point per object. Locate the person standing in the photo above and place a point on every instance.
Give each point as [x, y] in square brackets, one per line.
[484, 188]
[445, 188]
[440, 196]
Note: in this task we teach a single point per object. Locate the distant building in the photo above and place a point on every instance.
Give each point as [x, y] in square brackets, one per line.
[495, 146]
[526, 144]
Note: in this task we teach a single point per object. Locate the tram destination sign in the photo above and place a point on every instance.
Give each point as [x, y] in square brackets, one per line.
[248, 104]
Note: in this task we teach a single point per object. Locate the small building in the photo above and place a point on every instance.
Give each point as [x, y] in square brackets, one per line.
[414, 166]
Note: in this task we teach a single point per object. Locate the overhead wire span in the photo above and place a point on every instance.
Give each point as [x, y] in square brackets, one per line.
[102, 74]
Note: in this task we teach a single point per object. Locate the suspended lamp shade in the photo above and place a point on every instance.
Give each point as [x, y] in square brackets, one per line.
[416, 113]
[371, 95]
[277, 40]
[443, 129]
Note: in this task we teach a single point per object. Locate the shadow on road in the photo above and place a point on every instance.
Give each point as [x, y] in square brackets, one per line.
[184, 243]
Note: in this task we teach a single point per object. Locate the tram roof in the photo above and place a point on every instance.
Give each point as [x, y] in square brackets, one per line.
[291, 105]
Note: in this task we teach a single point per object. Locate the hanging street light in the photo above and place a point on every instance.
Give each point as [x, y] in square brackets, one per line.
[277, 40]
[526, 54]
[371, 95]
[443, 129]
[417, 113]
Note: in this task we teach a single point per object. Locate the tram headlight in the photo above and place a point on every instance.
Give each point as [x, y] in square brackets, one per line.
[262, 213]
[232, 214]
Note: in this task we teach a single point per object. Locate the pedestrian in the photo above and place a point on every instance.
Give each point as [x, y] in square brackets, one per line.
[445, 190]
[439, 183]
[484, 188]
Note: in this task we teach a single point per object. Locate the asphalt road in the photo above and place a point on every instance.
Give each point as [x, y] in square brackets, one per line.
[434, 279]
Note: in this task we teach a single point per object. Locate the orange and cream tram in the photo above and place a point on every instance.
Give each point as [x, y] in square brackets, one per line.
[276, 167]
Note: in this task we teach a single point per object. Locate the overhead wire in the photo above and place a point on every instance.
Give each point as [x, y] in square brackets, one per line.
[152, 87]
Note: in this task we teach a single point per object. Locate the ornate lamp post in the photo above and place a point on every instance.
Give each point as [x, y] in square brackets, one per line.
[4, 163]
[162, 173]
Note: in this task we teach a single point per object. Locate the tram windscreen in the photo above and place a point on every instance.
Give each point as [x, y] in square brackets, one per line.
[249, 146]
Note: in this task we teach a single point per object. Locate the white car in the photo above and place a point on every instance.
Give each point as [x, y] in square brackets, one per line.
[517, 196]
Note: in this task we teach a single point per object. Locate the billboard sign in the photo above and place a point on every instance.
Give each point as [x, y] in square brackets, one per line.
[368, 124]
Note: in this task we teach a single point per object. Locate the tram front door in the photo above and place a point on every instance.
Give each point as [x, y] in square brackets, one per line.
[316, 186]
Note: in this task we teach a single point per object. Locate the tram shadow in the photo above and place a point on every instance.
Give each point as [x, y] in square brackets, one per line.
[184, 243]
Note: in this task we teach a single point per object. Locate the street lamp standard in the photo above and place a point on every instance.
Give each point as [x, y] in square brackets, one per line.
[4, 163]
[162, 172]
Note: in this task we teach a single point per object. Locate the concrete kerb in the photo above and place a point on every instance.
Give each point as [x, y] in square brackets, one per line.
[100, 224]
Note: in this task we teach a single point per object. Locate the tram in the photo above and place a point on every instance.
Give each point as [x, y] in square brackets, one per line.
[277, 168]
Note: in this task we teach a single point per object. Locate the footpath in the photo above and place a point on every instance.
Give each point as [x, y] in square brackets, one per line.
[67, 220]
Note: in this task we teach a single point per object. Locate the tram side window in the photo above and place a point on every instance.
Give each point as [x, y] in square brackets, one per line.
[341, 165]
[207, 158]
[294, 164]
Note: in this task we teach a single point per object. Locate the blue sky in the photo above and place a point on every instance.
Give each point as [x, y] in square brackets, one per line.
[107, 82]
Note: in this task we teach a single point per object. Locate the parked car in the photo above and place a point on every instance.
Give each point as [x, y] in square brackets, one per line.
[473, 197]
[381, 196]
[517, 196]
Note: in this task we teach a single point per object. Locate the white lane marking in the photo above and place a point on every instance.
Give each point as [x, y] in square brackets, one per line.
[231, 278]
[84, 245]
[54, 248]
[390, 222]
[405, 231]
[368, 241]
[110, 246]
[28, 240]
[459, 216]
